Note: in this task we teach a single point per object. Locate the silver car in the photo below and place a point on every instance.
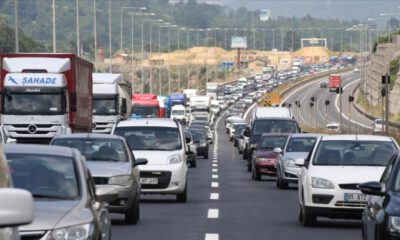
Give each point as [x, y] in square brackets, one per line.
[66, 201]
[297, 146]
[111, 162]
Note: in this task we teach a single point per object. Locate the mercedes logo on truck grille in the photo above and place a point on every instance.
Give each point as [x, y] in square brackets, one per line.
[32, 129]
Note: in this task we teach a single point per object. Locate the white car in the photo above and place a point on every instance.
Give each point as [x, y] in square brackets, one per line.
[162, 143]
[356, 70]
[329, 177]
[333, 127]
[377, 126]
[232, 129]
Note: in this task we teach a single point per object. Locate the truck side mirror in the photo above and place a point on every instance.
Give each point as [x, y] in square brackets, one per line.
[123, 106]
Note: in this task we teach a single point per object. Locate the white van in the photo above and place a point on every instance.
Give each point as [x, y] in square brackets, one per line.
[178, 112]
[377, 126]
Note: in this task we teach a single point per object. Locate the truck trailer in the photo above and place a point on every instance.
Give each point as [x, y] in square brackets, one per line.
[334, 82]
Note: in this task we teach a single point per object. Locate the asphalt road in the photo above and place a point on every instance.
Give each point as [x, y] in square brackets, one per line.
[331, 113]
[224, 203]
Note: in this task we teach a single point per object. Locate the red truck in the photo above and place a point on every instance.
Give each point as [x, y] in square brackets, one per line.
[44, 95]
[145, 106]
[334, 82]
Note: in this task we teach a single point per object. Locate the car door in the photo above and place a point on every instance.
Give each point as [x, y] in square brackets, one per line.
[375, 203]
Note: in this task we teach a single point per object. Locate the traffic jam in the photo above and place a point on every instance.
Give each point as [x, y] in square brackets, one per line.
[79, 147]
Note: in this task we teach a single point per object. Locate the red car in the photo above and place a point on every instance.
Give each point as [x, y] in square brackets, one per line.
[264, 158]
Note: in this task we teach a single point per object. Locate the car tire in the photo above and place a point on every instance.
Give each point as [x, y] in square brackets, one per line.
[133, 215]
[306, 218]
[182, 197]
[256, 176]
[280, 183]
[235, 143]
[249, 166]
[205, 155]
[240, 151]
[244, 154]
[231, 139]
[193, 164]
[227, 130]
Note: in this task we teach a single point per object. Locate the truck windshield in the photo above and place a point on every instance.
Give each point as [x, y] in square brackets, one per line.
[147, 112]
[34, 103]
[104, 106]
[274, 126]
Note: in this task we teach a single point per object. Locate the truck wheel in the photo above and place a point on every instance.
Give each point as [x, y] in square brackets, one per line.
[182, 197]
[133, 214]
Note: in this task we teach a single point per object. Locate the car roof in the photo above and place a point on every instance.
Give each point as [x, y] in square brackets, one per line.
[353, 137]
[39, 149]
[298, 135]
[149, 122]
[274, 134]
[89, 135]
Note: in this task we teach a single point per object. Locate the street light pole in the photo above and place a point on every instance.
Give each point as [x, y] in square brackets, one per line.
[78, 43]
[95, 31]
[109, 34]
[54, 26]
[16, 32]
[121, 18]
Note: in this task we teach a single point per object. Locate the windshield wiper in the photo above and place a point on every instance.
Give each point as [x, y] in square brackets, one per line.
[38, 195]
[103, 159]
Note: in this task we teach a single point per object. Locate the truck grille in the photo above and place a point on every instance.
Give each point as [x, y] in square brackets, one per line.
[100, 180]
[164, 179]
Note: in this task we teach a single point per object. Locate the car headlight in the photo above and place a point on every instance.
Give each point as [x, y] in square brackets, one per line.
[394, 224]
[78, 232]
[321, 183]
[123, 180]
[289, 163]
[174, 159]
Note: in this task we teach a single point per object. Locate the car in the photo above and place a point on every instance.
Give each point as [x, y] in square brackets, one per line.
[356, 70]
[111, 162]
[333, 127]
[231, 127]
[207, 131]
[381, 216]
[323, 85]
[264, 158]
[298, 145]
[243, 141]
[16, 205]
[238, 129]
[192, 158]
[66, 200]
[230, 120]
[329, 176]
[162, 143]
[378, 126]
[200, 139]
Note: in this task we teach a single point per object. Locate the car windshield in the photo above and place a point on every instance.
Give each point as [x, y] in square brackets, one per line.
[151, 138]
[238, 128]
[300, 144]
[271, 142]
[354, 153]
[45, 176]
[35, 103]
[147, 112]
[274, 126]
[109, 150]
[104, 106]
[197, 135]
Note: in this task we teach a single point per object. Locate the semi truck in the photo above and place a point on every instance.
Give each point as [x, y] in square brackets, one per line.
[212, 89]
[145, 106]
[44, 95]
[111, 101]
[202, 103]
[334, 82]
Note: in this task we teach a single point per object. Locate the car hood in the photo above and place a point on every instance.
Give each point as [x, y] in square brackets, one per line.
[155, 157]
[266, 154]
[48, 214]
[295, 155]
[108, 169]
[348, 174]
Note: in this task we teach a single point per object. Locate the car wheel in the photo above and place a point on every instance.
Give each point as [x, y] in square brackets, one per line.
[244, 154]
[280, 183]
[231, 139]
[182, 197]
[306, 218]
[193, 164]
[205, 155]
[227, 130]
[133, 215]
[240, 151]
[249, 166]
[235, 143]
[256, 175]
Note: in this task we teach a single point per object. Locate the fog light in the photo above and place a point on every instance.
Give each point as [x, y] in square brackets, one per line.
[122, 202]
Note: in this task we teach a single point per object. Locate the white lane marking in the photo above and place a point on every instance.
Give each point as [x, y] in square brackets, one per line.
[213, 213]
[215, 176]
[214, 184]
[214, 196]
[215, 170]
[344, 115]
[215, 165]
[215, 160]
[211, 236]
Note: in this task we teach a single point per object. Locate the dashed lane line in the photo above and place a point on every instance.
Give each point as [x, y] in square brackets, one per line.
[214, 184]
[215, 165]
[213, 213]
[211, 236]
[215, 176]
[214, 196]
[214, 170]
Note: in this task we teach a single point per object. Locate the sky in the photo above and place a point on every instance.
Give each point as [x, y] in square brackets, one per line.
[343, 9]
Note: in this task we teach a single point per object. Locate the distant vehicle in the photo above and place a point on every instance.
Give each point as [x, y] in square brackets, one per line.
[324, 85]
[334, 82]
[172, 100]
[190, 93]
[178, 112]
[145, 106]
[16, 205]
[378, 126]
[233, 127]
[162, 143]
[63, 189]
[328, 179]
[333, 127]
[192, 158]
[379, 218]
[237, 133]
[111, 101]
[215, 107]
[110, 162]
[44, 95]
[211, 90]
[200, 139]
[356, 70]
[200, 103]
[264, 158]
[258, 76]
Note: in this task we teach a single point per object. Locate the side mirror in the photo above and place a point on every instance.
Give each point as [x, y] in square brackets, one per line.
[371, 188]
[106, 193]
[246, 132]
[278, 150]
[299, 162]
[141, 161]
[16, 207]
[11, 140]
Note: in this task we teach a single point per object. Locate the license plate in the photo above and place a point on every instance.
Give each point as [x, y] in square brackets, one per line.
[355, 197]
[149, 181]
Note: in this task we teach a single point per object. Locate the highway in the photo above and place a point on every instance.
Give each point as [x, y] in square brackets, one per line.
[305, 115]
[224, 203]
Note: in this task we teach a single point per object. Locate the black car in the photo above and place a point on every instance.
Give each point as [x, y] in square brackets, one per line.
[324, 85]
[238, 131]
[381, 217]
[200, 139]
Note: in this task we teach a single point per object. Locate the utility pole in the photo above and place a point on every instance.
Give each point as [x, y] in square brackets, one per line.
[78, 41]
[385, 94]
[54, 26]
[351, 100]
[16, 32]
[109, 34]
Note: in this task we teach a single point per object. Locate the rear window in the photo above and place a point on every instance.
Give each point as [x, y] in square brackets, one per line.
[300, 144]
[262, 126]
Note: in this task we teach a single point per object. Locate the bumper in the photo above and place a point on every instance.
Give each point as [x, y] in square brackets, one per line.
[171, 179]
[124, 201]
[266, 168]
[290, 174]
[338, 213]
[202, 150]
